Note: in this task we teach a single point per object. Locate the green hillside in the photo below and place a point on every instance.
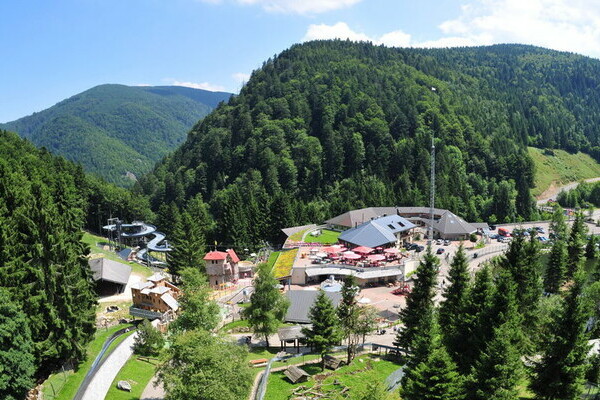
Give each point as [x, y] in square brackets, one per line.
[118, 131]
[329, 126]
[560, 167]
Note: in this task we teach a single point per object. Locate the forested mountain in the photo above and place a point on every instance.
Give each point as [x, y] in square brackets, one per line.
[114, 130]
[45, 280]
[328, 126]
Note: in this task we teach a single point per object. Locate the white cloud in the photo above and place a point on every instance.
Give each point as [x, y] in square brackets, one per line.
[142, 84]
[300, 6]
[240, 77]
[572, 25]
[202, 85]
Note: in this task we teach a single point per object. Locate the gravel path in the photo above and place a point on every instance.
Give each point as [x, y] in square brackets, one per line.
[153, 393]
[553, 191]
[108, 371]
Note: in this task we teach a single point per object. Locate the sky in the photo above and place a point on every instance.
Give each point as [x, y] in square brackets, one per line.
[52, 50]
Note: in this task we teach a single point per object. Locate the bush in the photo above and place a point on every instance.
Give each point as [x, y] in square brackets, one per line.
[473, 238]
[149, 342]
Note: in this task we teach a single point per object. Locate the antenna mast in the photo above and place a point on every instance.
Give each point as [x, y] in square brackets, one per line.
[432, 194]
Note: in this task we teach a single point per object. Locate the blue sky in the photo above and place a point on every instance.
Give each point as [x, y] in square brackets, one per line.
[55, 49]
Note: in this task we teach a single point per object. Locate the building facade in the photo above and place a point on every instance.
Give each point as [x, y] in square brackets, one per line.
[222, 268]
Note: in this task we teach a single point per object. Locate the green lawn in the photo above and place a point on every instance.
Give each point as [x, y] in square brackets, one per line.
[235, 324]
[562, 167]
[138, 372]
[273, 258]
[298, 235]
[117, 342]
[66, 384]
[279, 387]
[96, 245]
[326, 237]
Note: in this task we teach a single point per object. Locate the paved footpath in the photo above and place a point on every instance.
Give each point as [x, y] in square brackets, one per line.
[108, 371]
[153, 393]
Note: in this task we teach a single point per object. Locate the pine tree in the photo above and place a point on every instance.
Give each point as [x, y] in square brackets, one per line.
[558, 224]
[455, 294]
[325, 330]
[467, 342]
[575, 244]
[349, 314]
[16, 350]
[434, 378]
[560, 373]
[557, 267]
[496, 371]
[189, 245]
[591, 248]
[267, 305]
[522, 262]
[419, 302]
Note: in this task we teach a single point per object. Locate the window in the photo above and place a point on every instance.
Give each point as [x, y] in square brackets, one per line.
[391, 226]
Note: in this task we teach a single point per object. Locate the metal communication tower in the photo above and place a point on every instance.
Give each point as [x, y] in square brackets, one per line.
[432, 194]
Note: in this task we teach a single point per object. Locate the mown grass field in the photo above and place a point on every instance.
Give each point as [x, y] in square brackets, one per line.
[561, 168]
[97, 244]
[326, 237]
[355, 376]
[138, 372]
[63, 386]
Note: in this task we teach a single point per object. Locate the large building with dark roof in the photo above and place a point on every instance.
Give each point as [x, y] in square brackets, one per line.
[111, 277]
[386, 231]
[446, 224]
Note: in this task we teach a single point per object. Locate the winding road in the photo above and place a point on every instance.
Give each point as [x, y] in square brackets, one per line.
[553, 191]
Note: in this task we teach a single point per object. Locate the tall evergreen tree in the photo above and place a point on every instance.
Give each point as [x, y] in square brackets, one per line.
[560, 373]
[591, 248]
[557, 266]
[325, 331]
[558, 224]
[17, 361]
[189, 245]
[522, 262]
[435, 377]
[267, 305]
[420, 301]
[455, 293]
[575, 244]
[467, 342]
[349, 314]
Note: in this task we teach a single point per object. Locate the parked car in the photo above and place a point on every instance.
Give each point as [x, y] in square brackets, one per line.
[492, 227]
[539, 229]
[447, 242]
[419, 249]
[439, 242]
[441, 250]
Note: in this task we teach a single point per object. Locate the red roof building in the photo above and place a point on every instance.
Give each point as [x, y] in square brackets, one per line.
[222, 268]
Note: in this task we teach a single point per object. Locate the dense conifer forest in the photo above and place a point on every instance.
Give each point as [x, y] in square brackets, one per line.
[329, 126]
[46, 287]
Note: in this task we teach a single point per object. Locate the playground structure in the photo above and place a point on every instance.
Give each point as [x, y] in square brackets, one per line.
[138, 233]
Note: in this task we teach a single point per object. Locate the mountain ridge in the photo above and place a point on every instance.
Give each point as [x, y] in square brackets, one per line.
[116, 130]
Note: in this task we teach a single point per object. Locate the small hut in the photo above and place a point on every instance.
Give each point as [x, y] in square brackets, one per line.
[332, 362]
[295, 374]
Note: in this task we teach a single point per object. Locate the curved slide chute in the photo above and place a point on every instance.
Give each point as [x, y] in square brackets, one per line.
[138, 230]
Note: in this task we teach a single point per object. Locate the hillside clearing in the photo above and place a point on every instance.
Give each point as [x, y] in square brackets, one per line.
[557, 167]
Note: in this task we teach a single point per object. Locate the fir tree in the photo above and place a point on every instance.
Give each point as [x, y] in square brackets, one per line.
[349, 315]
[557, 267]
[420, 301]
[558, 224]
[560, 373]
[455, 294]
[325, 331]
[591, 248]
[267, 305]
[434, 378]
[575, 244]
[17, 362]
[467, 342]
[188, 244]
